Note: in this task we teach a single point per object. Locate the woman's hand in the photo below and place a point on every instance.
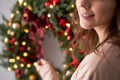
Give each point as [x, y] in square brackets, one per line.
[46, 71]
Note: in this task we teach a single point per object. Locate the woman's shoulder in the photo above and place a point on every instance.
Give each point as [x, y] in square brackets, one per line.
[109, 67]
[102, 64]
[111, 50]
[108, 53]
[111, 55]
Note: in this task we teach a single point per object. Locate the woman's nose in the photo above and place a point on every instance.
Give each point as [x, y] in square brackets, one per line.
[83, 3]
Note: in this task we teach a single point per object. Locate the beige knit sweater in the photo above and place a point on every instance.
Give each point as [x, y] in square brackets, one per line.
[104, 65]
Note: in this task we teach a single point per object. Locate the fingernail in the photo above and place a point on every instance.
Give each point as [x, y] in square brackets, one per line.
[39, 62]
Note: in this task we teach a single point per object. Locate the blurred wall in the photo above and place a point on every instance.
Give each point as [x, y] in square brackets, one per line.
[51, 48]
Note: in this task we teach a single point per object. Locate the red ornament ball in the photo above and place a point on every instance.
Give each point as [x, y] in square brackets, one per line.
[22, 48]
[55, 2]
[23, 60]
[12, 49]
[47, 4]
[12, 40]
[62, 23]
[18, 73]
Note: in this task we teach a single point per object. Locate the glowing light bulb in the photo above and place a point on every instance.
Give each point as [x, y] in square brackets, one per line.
[6, 40]
[71, 14]
[68, 25]
[25, 54]
[11, 60]
[18, 57]
[12, 15]
[49, 15]
[22, 65]
[25, 3]
[51, 6]
[12, 33]
[23, 43]
[8, 31]
[35, 64]
[20, 2]
[28, 65]
[16, 43]
[17, 11]
[9, 69]
[65, 33]
[70, 49]
[26, 30]
[14, 25]
[15, 66]
[28, 48]
[72, 5]
[46, 27]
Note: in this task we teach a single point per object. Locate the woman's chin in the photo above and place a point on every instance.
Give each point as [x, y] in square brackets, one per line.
[86, 27]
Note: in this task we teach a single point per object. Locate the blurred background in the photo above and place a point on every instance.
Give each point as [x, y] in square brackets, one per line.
[51, 47]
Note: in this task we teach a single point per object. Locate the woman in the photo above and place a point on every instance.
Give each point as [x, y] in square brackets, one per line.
[99, 20]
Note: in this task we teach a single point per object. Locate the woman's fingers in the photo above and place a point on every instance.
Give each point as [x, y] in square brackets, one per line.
[46, 71]
[43, 61]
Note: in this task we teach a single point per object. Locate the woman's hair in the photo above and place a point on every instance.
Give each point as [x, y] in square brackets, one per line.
[88, 39]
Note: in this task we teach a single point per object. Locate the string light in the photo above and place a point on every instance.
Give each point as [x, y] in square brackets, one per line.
[25, 3]
[12, 15]
[49, 15]
[11, 60]
[72, 5]
[22, 65]
[28, 48]
[17, 11]
[23, 43]
[28, 65]
[70, 49]
[65, 66]
[65, 33]
[20, 2]
[12, 33]
[6, 40]
[68, 73]
[71, 14]
[9, 69]
[14, 25]
[35, 63]
[16, 43]
[8, 32]
[18, 57]
[51, 6]
[15, 66]
[26, 30]
[68, 25]
[25, 54]
[46, 27]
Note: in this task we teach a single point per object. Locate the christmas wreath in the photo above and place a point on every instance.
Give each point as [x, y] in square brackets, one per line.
[24, 32]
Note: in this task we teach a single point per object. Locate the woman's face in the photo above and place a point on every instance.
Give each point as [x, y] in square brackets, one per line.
[94, 13]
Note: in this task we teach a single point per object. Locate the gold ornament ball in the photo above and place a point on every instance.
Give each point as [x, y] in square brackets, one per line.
[32, 77]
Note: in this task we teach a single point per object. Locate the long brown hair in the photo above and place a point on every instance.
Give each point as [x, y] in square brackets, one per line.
[89, 44]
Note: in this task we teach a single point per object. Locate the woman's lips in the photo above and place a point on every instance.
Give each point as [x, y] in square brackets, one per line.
[86, 16]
